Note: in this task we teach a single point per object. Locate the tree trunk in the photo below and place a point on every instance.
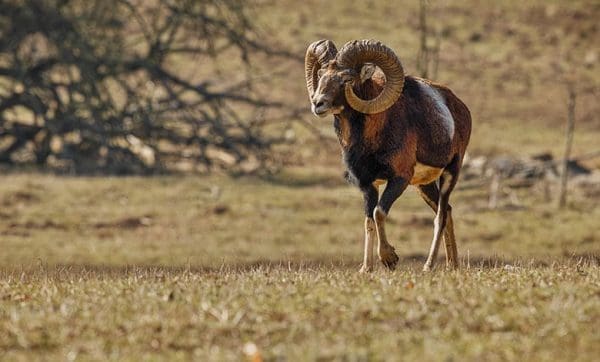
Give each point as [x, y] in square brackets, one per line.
[562, 200]
[422, 60]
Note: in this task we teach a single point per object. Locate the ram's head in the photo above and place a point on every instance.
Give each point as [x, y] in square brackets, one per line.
[330, 76]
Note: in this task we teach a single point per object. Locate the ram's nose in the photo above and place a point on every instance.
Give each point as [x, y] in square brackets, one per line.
[319, 106]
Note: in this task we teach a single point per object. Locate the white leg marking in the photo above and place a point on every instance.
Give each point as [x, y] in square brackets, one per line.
[447, 182]
[380, 217]
[370, 235]
[437, 223]
[385, 251]
[435, 243]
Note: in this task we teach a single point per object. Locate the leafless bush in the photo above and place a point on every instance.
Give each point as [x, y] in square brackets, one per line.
[125, 86]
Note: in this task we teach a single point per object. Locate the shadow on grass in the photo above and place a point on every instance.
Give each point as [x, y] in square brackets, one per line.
[413, 262]
[299, 181]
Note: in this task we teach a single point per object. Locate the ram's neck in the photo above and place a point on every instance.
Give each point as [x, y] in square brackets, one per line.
[353, 127]
[370, 88]
[345, 128]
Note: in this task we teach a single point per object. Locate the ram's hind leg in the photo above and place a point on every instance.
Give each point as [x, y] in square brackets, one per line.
[395, 187]
[447, 181]
[430, 193]
[450, 242]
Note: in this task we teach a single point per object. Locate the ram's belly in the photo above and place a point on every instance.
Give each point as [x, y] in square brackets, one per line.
[424, 174]
[379, 182]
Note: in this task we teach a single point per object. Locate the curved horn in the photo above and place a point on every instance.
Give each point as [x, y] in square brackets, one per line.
[354, 54]
[317, 54]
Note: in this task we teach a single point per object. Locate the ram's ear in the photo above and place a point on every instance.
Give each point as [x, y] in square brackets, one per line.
[366, 72]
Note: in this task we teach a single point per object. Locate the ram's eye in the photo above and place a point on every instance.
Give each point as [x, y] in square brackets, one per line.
[347, 76]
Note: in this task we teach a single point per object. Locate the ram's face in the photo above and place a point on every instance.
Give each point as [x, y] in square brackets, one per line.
[329, 95]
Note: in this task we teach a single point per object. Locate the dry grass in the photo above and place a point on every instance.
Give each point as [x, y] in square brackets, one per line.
[300, 215]
[314, 312]
[184, 267]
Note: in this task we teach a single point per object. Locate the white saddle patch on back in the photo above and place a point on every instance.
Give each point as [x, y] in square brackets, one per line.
[424, 174]
[437, 99]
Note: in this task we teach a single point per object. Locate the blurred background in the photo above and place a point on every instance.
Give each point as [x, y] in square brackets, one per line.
[176, 132]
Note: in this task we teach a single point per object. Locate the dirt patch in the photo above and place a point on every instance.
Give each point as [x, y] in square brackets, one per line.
[419, 221]
[320, 221]
[35, 225]
[15, 232]
[490, 237]
[126, 223]
[220, 209]
[6, 215]
[19, 197]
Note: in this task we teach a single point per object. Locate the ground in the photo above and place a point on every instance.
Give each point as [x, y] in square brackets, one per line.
[177, 267]
[302, 312]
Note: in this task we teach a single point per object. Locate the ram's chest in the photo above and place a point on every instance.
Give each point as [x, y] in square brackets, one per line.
[364, 132]
[363, 168]
[343, 131]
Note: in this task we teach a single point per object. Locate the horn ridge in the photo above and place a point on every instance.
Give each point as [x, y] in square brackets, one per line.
[318, 53]
[357, 52]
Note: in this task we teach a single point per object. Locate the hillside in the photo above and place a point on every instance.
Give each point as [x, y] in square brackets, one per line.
[507, 60]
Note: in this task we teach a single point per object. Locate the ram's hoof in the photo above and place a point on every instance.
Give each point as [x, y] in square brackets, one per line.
[365, 269]
[390, 259]
[451, 265]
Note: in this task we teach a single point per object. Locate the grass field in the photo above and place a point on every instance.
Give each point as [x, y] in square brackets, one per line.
[201, 267]
[306, 312]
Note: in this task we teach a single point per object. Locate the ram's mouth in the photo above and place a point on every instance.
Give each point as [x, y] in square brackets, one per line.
[321, 111]
[324, 111]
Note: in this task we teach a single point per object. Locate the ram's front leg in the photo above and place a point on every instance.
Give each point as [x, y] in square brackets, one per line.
[395, 187]
[371, 196]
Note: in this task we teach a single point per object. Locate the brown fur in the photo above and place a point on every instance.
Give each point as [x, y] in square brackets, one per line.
[375, 122]
[408, 132]
[344, 133]
[373, 129]
[403, 161]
